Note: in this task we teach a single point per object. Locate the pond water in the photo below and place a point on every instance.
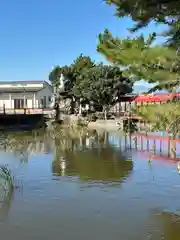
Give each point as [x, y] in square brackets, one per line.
[87, 186]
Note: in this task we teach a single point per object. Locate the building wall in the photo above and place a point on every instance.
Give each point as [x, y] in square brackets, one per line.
[44, 97]
[7, 99]
[32, 100]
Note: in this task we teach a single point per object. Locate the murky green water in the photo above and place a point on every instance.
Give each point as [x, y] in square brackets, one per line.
[72, 187]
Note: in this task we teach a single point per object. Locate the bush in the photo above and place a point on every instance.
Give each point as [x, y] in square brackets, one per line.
[99, 115]
[91, 117]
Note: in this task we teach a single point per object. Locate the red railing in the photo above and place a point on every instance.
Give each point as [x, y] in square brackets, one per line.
[161, 146]
[22, 111]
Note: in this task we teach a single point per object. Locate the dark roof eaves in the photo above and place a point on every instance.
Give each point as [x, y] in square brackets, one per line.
[19, 90]
[25, 82]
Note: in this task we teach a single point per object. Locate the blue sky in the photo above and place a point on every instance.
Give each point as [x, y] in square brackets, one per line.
[38, 34]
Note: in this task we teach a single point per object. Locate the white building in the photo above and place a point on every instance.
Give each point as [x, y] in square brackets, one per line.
[25, 94]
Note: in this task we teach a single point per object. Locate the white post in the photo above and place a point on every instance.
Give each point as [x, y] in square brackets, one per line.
[25, 101]
[34, 100]
[10, 100]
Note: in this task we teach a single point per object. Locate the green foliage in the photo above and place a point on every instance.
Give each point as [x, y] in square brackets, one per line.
[97, 83]
[102, 85]
[81, 64]
[91, 117]
[100, 115]
[142, 12]
[142, 60]
[55, 75]
[162, 117]
[70, 72]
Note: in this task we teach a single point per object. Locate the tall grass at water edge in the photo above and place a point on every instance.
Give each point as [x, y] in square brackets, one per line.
[6, 177]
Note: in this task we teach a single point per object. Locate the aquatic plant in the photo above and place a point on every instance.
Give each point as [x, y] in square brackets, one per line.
[6, 178]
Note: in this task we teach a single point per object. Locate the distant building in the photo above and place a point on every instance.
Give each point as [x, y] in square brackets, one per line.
[25, 94]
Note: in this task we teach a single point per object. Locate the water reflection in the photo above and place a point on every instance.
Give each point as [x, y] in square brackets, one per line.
[91, 157]
[6, 199]
[23, 144]
[171, 225]
[165, 225]
[81, 159]
[97, 161]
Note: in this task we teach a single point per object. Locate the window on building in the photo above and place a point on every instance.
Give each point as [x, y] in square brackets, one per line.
[18, 103]
[42, 102]
[49, 99]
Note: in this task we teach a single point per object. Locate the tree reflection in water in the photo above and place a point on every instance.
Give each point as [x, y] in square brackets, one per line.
[79, 152]
[165, 225]
[91, 158]
[171, 223]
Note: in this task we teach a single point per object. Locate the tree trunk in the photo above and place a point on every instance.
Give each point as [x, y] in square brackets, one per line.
[105, 112]
[80, 109]
[57, 108]
[72, 105]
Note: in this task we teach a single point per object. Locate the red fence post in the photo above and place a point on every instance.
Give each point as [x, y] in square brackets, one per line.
[154, 146]
[160, 146]
[147, 144]
[169, 143]
[141, 143]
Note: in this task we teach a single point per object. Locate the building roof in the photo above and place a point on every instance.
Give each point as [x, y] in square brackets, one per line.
[23, 88]
[24, 82]
[19, 90]
[161, 97]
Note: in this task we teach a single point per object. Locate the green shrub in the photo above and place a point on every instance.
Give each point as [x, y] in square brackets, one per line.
[91, 117]
[100, 115]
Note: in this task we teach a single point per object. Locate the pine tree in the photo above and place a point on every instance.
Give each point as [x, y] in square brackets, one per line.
[142, 12]
[140, 59]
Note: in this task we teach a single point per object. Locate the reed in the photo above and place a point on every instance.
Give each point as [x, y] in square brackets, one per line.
[7, 177]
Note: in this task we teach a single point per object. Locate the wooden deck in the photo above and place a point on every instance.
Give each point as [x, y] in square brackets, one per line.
[28, 111]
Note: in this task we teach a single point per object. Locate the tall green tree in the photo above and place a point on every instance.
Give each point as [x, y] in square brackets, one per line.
[71, 73]
[54, 75]
[81, 64]
[157, 64]
[142, 12]
[102, 85]
[140, 59]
